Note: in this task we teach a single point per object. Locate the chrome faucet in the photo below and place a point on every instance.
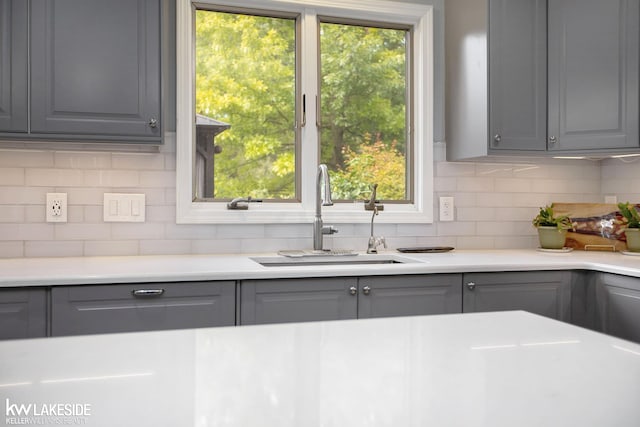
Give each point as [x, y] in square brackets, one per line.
[373, 205]
[323, 198]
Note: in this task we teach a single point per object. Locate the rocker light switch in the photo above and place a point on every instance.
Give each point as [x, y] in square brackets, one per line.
[119, 207]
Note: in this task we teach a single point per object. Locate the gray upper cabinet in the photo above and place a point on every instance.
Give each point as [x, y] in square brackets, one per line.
[23, 313]
[518, 75]
[387, 296]
[593, 74]
[534, 77]
[95, 309]
[547, 293]
[13, 65]
[618, 306]
[95, 70]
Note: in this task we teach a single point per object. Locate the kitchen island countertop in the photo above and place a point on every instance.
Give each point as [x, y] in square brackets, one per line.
[164, 268]
[481, 369]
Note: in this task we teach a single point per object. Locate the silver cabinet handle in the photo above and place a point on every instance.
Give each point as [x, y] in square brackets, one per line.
[497, 138]
[153, 123]
[471, 286]
[366, 290]
[553, 139]
[353, 290]
[147, 292]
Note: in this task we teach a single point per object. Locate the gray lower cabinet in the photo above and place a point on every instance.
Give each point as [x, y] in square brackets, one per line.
[387, 296]
[547, 293]
[13, 65]
[93, 309]
[618, 306]
[315, 299]
[298, 300]
[23, 313]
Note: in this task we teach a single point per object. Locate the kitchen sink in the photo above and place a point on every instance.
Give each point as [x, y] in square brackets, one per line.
[355, 259]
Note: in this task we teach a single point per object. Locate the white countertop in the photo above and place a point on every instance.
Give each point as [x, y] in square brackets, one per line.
[483, 369]
[128, 269]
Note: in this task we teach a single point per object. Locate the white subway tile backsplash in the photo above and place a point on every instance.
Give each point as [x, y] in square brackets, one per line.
[53, 177]
[12, 176]
[111, 178]
[58, 248]
[26, 158]
[495, 203]
[81, 160]
[111, 247]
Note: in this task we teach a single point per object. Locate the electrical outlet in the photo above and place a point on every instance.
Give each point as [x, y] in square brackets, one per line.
[446, 209]
[56, 207]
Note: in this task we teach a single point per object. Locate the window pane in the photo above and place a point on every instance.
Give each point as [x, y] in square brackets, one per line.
[364, 110]
[245, 96]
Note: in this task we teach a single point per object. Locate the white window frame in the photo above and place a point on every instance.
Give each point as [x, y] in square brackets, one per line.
[420, 17]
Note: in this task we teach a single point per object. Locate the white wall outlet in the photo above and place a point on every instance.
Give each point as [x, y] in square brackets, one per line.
[446, 209]
[56, 207]
[611, 199]
[123, 207]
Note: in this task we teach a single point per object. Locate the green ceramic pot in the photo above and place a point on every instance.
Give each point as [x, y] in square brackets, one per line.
[633, 239]
[551, 237]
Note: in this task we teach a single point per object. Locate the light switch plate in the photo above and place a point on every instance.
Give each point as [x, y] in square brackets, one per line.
[124, 207]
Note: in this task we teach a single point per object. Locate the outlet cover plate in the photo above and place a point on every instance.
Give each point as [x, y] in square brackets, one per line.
[56, 207]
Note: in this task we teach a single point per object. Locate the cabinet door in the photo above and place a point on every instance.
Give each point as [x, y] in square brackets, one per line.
[13, 65]
[141, 307]
[386, 296]
[593, 74]
[517, 75]
[618, 306]
[547, 293]
[23, 313]
[297, 300]
[95, 68]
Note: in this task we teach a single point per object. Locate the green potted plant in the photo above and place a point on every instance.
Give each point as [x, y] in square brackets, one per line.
[552, 229]
[632, 229]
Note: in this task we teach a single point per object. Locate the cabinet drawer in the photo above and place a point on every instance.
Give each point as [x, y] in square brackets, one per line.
[23, 313]
[141, 307]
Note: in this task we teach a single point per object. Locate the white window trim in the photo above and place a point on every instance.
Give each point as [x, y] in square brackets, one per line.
[421, 211]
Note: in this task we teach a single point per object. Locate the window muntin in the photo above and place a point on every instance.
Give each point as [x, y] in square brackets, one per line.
[365, 106]
[245, 78]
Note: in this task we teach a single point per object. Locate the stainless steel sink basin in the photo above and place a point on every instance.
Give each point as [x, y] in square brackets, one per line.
[282, 261]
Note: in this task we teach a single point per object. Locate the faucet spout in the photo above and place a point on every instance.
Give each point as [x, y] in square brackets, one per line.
[323, 198]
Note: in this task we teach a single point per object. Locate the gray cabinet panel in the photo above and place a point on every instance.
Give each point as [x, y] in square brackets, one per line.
[95, 67]
[118, 308]
[297, 300]
[618, 306]
[23, 313]
[593, 74]
[547, 293]
[518, 74]
[386, 296]
[13, 65]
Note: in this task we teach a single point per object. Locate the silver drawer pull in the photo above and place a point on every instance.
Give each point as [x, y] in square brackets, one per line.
[148, 292]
